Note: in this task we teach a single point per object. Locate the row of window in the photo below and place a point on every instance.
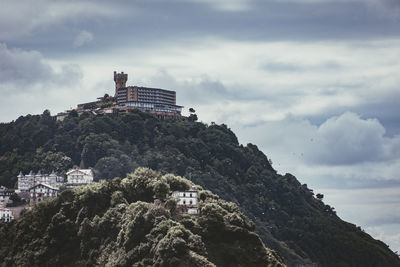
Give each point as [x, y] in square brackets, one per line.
[44, 195]
[156, 94]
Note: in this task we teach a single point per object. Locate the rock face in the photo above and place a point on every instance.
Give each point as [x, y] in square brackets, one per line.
[133, 221]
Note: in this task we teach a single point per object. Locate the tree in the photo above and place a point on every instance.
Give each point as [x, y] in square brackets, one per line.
[46, 113]
[320, 196]
[191, 110]
[73, 114]
[16, 201]
[193, 117]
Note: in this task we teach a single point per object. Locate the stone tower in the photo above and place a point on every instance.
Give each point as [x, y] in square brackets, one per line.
[120, 81]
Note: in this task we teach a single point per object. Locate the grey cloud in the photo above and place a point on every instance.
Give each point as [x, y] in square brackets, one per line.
[26, 69]
[280, 67]
[227, 5]
[52, 24]
[388, 8]
[82, 38]
[388, 218]
[22, 18]
[201, 90]
[334, 181]
[291, 67]
[21, 66]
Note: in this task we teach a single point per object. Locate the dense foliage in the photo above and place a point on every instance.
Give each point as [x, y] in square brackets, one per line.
[287, 216]
[133, 222]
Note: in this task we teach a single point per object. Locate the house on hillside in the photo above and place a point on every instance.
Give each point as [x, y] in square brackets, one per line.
[25, 182]
[40, 192]
[187, 201]
[5, 195]
[78, 177]
[6, 215]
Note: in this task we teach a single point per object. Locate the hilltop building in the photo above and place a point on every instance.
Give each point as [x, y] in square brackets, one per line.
[26, 182]
[159, 102]
[187, 201]
[153, 100]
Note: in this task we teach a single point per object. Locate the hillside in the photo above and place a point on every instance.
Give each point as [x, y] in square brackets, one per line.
[133, 221]
[286, 214]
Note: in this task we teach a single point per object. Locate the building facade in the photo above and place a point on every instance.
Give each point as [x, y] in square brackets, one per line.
[40, 192]
[5, 195]
[187, 201]
[153, 100]
[6, 215]
[77, 177]
[25, 182]
[120, 80]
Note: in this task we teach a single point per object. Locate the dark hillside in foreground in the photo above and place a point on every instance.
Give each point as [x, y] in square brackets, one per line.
[287, 216]
[133, 222]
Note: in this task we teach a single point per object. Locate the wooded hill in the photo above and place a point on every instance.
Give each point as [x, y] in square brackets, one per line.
[133, 222]
[286, 214]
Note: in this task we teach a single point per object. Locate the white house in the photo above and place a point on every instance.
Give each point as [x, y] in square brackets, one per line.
[80, 176]
[41, 191]
[187, 201]
[6, 215]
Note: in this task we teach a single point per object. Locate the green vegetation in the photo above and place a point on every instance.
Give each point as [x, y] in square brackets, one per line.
[132, 222]
[286, 214]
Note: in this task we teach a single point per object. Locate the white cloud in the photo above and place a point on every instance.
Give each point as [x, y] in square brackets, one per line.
[83, 38]
[344, 140]
[348, 139]
[225, 5]
[389, 8]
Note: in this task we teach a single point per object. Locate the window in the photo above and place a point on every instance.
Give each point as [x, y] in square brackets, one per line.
[184, 202]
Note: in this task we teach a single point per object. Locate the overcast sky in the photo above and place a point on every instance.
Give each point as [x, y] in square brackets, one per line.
[314, 83]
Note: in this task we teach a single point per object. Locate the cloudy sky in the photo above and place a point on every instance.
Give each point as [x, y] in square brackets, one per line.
[314, 83]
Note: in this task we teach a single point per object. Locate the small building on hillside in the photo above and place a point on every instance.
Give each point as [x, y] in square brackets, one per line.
[62, 115]
[40, 192]
[6, 215]
[25, 182]
[5, 195]
[78, 177]
[187, 201]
